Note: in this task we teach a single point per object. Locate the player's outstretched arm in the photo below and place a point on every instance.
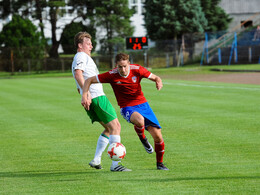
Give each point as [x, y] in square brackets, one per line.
[157, 80]
[85, 101]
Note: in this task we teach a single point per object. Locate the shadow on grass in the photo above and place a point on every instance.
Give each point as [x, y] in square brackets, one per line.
[176, 179]
[93, 171]
[44, 173]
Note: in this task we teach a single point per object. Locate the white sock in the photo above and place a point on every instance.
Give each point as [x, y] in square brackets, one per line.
[101, 146]
[113, 139]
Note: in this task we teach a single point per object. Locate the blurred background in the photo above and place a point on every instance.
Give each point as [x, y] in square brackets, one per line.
[38, 35]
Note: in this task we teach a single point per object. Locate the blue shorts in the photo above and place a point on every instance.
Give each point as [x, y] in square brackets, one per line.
[145, 110]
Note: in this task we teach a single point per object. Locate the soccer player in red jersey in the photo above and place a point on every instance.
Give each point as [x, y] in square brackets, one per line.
[125, 80]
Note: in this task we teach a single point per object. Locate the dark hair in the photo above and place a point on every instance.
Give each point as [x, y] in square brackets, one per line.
[121, 56]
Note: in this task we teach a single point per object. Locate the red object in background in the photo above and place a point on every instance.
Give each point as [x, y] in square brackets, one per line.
[136, 43]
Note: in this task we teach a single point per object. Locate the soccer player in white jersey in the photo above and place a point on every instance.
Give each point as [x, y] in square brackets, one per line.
[101, 110]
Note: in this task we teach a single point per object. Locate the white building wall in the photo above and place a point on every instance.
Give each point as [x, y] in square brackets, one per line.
[137, 20]
[241, 10]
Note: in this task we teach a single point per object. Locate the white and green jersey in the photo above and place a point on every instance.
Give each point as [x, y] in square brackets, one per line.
[84, 62]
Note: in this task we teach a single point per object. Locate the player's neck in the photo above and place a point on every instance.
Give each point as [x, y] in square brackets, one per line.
[80, 50]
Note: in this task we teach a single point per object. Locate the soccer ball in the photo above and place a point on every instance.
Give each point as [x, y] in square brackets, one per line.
[116, 151]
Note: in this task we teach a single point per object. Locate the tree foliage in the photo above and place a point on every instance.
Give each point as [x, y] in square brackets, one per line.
[161, 19]
[111, 15]
[70, 30]
[24, 9]
[167, 19]
[191, 17]
[19, 35]
[218, 20]
[53, 9]
[117, 28]
[55, 13]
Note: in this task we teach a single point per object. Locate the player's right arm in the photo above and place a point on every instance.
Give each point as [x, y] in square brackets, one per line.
[85, 101]
[157, 80]
[79, 77]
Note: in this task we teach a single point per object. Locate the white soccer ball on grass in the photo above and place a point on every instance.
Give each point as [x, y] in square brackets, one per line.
[116, 151]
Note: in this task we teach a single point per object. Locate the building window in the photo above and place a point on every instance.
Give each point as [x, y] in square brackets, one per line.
[245, 24]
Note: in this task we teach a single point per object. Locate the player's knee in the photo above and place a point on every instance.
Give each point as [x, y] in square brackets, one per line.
[157, 136]
[115, 125]
[158, 139]
[118, 126]
[139, 121]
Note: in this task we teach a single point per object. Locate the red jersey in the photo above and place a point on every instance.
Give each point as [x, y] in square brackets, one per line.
[127, 89]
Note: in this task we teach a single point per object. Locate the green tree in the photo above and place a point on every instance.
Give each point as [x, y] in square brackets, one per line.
[67, 37]
[218, 20]
[24, 7]
[114, 17]
[171, 19]
[161, 20]
[22, 37]
[191, 17]
[168, 19]
[53, 8]
[54, 13]
[5, 8]
[111, 15]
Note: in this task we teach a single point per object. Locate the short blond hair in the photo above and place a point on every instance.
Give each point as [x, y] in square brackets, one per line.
[121, 56]
[79, 38]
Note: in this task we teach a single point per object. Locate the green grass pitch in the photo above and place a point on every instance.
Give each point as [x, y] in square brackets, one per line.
[211, 132]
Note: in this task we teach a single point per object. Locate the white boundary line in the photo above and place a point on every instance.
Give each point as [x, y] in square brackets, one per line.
[213, 86]
[206, 86]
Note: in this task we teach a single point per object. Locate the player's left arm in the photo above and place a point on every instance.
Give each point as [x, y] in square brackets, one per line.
[157, 80]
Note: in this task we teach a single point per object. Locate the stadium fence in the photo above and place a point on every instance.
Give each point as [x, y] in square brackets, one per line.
[219, 48]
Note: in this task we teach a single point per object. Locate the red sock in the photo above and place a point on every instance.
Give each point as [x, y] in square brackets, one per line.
[159, 149]
[140, 131]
